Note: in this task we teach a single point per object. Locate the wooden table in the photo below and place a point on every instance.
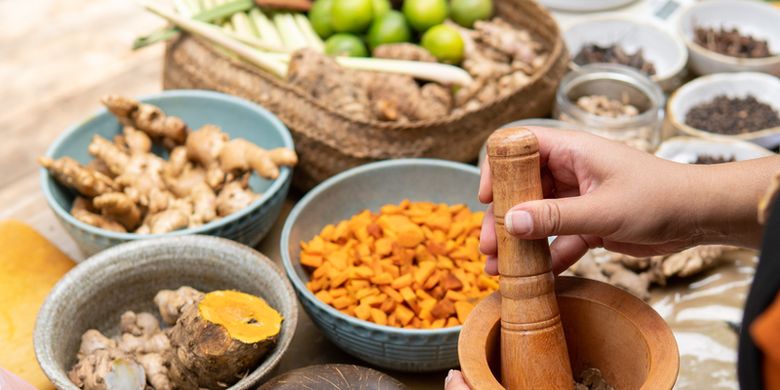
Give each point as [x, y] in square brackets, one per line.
[59, 57]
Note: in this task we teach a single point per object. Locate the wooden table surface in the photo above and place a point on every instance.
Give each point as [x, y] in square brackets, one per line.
[59, 57]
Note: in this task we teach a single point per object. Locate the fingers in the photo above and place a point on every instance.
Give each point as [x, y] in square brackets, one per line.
[455, 381]
[491, 266]
[487, 236]
[566, 250]
[555, 217]
[485, 194]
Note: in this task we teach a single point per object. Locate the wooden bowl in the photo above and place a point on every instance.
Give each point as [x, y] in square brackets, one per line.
[605, 327]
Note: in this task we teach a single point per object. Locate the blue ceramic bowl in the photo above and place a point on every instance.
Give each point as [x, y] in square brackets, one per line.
[369, 187]
[237, 117]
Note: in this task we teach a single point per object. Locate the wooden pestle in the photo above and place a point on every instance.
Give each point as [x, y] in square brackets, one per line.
[533, 347]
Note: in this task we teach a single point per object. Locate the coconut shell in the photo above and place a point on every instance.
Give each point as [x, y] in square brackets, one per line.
[333, 377]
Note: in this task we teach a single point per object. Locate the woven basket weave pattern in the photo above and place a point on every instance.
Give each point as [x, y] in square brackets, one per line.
[328, 142]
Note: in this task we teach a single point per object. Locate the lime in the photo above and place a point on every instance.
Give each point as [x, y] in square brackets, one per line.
[388, 28]
[444, 42]
[466, 12]
[424, 14]
[381, 7]
[319, 16]
[351, 16]
[343, 44]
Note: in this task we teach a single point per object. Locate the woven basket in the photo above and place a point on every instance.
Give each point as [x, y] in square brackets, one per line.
[328, 142]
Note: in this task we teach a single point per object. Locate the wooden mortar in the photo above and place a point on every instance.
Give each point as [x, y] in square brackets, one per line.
[525, 336]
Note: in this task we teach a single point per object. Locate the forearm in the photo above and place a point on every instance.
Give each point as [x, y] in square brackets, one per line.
[724, 200]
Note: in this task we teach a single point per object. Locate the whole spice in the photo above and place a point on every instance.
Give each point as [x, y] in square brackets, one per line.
[613, 54]
[214, 339]
[731, 42]
[725, 115]
[592, 379]
[604, 106]
[333, 377]
[412, 265]
[129, 189]
[707, 159]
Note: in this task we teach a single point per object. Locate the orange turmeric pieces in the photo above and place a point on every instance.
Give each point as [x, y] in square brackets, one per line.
[412, 265]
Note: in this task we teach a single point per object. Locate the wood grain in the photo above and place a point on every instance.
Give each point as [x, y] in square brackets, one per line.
[533, 346]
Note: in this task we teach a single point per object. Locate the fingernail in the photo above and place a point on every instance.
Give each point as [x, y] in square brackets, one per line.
[448, 378]
[518, 222]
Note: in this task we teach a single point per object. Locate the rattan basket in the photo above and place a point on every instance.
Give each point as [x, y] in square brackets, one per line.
[329, 142]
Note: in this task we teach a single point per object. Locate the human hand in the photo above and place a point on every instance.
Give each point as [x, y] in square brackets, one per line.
[600, 192]
[455, 381]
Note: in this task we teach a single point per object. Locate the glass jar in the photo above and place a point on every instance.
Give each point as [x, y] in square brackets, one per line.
[541, 122]
[620, 83]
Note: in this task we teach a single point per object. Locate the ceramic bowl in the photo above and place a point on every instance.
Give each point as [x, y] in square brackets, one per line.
[686, 149]
[126, 277]
[764, 87]
[751, 17]
[369, 187]
[664, 50]
[237, 117]
[584, 6]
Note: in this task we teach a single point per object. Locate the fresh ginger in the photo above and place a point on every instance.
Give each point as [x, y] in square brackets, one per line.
[127, 188]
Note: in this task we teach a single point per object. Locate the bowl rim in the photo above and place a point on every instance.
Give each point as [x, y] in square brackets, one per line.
[679, 45]
[276, 184]
[722, 58]
[84, 269]
[764, 152]
[679, 123]
[316, 191]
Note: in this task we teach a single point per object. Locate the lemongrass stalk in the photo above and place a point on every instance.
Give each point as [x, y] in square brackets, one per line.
[183, 7]
[268, 33]
[291, 35]
[308, 32]
[243, 25]
[218, 37]
[431, 71]
[204, 13]
[255, 42]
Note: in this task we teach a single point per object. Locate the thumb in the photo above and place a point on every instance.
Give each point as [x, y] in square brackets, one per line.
[552, 217]
[455, 381]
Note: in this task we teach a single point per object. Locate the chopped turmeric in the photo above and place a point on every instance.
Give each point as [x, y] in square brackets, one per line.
[412, 265]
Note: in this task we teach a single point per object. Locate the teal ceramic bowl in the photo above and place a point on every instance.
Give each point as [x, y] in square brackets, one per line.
[369, 187]
[237, 117]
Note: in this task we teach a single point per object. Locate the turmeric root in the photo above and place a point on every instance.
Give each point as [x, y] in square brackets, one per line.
[403, 51]
[219, 338]
[118, 207]
[147, 118]
[71, 173]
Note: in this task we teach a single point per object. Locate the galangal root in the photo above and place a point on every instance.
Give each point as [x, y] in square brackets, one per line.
[637, 274]
[214, 339]
[127, 188]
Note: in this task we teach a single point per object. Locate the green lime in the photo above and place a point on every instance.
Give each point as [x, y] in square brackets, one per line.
[352, 16]
[388, 28]
[444, 42]
[381, 7]
[319, 16]
[343, 44]
[424, 14]
[466, 12]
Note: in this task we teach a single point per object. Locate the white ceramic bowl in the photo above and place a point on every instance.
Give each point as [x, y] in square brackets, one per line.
[751, 17]
[687, 149]
[584, 5]
[762, 86]
[663, 49]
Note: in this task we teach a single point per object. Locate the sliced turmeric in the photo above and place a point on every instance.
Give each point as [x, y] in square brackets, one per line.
[412, 265]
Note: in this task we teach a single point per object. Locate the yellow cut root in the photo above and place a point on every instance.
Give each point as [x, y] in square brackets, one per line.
[246, 318]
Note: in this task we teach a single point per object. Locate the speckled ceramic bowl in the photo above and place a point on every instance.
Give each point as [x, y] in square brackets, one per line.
[237, 117]
[127, 277]
[369, 187]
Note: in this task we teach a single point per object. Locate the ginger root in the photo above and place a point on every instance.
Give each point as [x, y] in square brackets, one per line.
[127, 188]
[71, 173]
[147, 118]
[170, 303]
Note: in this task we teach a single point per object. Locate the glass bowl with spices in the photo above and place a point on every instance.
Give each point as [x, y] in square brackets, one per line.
[613, 101]
[731, 36]
[743, 106]
[627, 41]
